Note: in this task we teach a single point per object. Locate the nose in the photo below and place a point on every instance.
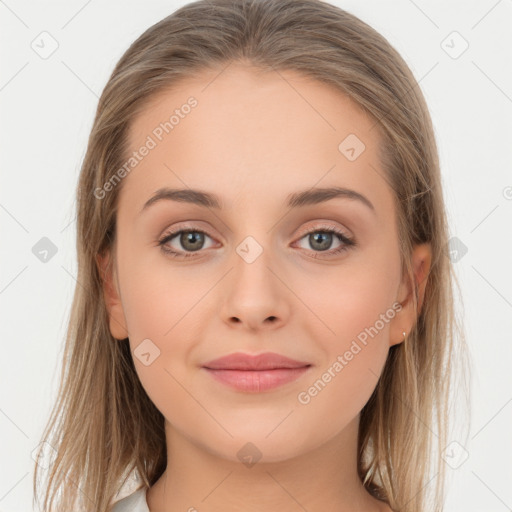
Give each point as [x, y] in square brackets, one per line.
[255, 296]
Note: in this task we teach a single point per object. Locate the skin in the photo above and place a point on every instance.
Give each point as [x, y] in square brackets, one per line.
[254, 138]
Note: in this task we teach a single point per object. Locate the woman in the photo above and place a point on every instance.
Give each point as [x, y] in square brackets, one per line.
[264, 317]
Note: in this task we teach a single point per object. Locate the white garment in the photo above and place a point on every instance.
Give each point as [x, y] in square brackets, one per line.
[135, 502]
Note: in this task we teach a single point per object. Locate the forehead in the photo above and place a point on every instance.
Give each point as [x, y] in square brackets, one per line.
[255, 133]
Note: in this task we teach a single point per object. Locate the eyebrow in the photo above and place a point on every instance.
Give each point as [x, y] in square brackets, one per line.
[295, 200]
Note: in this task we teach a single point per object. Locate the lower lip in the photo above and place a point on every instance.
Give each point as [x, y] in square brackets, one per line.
[257, 381]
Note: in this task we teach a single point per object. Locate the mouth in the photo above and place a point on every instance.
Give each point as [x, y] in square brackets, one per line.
[255, 373]
[257, 381]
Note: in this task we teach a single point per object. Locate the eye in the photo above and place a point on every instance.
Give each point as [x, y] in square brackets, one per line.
[321, 239]
[190, 240]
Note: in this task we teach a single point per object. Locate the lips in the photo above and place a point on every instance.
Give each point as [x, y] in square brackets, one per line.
[265, 361]
[255, 374]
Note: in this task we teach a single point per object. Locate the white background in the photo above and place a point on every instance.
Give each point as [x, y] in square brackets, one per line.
[47, 108]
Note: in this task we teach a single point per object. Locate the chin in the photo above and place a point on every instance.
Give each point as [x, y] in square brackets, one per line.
[255, 447]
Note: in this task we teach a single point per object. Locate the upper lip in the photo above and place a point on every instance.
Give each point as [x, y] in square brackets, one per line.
[266, 361]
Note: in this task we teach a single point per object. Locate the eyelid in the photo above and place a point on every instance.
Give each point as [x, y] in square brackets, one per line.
[185, 226]
[188, 226]
[324, 225]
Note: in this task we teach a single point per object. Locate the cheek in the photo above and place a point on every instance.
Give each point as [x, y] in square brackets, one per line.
[157, 299]
[159, 322]
[158, 307]
[350, 300]
[353, 356]
[356, 305]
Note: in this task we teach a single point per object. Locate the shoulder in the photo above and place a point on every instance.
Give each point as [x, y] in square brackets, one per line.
[135, 502]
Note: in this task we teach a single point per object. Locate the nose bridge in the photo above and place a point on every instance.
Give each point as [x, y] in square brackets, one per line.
[254, 230]
[252, 259]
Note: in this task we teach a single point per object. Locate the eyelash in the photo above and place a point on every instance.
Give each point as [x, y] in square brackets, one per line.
[347, 242]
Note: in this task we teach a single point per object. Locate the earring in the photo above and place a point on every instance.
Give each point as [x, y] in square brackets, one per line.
[403, 334]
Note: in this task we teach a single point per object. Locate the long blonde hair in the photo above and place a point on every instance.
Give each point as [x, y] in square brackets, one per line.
[103, 426]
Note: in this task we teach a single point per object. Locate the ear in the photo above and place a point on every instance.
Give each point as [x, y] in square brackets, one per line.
[117, 320]
[406, 318]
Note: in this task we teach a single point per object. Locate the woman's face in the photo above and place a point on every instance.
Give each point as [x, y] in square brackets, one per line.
[261, 270]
